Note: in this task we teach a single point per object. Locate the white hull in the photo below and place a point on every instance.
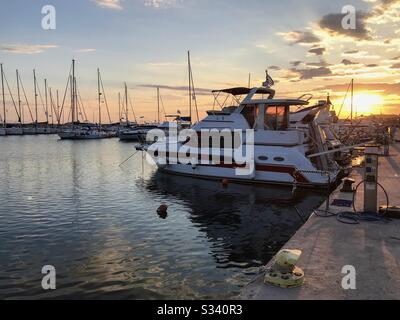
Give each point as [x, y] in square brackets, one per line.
[261, 177]
[84, 135]
[283, 166]
[14, 131]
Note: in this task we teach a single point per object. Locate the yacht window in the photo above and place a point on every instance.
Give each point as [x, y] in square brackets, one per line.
[248, 113]
[275, 117]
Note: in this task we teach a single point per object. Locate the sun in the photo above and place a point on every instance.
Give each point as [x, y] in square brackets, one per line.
[366, 103]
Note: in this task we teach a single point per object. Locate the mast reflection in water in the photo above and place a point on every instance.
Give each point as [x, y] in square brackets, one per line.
[70, 205]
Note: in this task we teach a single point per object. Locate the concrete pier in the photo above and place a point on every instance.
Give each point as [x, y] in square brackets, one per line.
[373, 248]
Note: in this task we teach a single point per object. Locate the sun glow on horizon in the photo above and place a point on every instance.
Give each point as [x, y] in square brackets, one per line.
[364, 104]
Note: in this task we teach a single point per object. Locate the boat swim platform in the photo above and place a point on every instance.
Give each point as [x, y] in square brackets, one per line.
[327, 245]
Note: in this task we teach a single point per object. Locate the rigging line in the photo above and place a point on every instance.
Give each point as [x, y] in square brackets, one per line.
[194, 93]
[105, 99]
[83, 107]
[12, 98]
[41, 99]
[162, 105]
[133, 111]
[78, 104]
[130, 157]
[344, 100]
[52, 104]
[26, 98]
[65, 92]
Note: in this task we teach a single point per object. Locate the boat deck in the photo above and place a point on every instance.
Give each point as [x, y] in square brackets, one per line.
[328, 245]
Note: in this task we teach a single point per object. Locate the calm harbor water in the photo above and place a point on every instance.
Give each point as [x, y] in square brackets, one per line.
[69, 204]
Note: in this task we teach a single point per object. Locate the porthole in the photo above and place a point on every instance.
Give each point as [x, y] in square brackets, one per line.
[263, 158]
[279, 159]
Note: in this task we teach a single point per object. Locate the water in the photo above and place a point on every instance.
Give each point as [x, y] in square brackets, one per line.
[70, 205]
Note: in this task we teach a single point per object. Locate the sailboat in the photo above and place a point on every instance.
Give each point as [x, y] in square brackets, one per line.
[83, 132]
[177, 120]
[3, 131]
[14, 129]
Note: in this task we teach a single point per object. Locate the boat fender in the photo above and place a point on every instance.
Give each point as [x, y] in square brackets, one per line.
[194, 163]
[162, 209]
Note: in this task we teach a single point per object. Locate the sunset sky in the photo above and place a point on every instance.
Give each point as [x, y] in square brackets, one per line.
[145, 42]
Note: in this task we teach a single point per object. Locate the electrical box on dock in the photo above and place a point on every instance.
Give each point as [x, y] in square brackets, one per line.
[371, 178]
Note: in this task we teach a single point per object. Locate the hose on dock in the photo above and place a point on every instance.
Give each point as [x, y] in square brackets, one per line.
[355, 217]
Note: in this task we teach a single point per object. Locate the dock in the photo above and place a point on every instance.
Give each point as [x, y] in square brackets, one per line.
[327, 245]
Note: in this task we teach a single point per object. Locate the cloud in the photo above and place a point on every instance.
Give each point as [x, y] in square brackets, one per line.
[158, 4]
[317, 51]
[295, 63]
[26, 48]
[349, 52]
[348, 62]
[332, 23]
[165, 64]
[395, 66]
[385, 11]
[321, 63]
[85, 50]
[109, 4]
[372, 65]
[276, 68]
[306, 74]
[300, 37]
[384, 88]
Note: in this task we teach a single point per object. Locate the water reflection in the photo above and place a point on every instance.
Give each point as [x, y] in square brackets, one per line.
[247, 224]
[71, 205]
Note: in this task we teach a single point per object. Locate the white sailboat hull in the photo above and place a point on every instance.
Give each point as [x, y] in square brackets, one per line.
[292, 167]
[84, 135]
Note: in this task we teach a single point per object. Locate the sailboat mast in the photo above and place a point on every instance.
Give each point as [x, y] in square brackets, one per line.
[119, 107]
[19, 100]
[45, 95]
[99, 93]
[4, 99]
[190, 88]
[51, 107]
[352, 100]
[73, 92]
[58, 109]
[35, 88]
[126, 103]
[158, 104]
